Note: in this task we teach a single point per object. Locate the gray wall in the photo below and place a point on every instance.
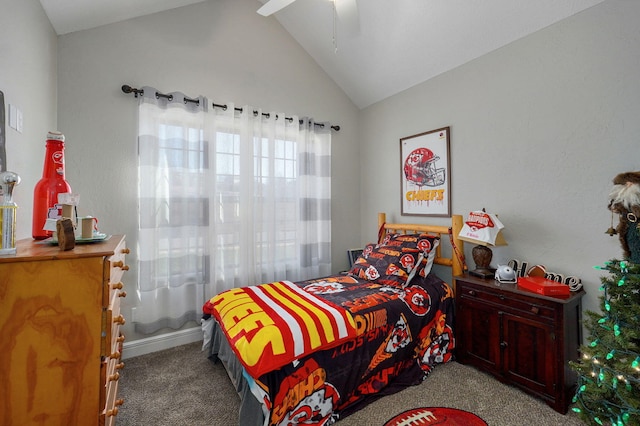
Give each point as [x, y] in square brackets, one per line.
[221, 49]
[539, 128]
[28, 72]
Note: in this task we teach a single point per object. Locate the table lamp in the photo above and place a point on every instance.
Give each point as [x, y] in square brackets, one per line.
[483, 229]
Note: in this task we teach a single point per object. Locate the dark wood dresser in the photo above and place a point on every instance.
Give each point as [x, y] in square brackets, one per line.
[522, 338]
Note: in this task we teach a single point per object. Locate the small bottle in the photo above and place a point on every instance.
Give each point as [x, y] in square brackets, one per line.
[8, 213]
[45, 193]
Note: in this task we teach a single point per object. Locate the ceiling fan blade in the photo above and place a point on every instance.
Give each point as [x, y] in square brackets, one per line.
[347, 11]
[272, 6]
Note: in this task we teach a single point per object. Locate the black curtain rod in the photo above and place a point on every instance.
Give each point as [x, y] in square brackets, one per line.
[139, 92]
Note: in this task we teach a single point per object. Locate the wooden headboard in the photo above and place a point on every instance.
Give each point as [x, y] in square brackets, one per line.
[447, 233]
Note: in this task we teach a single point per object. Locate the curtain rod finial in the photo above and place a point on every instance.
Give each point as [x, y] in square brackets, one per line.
[128, 89]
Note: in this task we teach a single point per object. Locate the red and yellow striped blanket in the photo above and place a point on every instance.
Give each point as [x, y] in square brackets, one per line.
[271, 325]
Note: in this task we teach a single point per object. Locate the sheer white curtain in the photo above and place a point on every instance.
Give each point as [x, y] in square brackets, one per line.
[226, 199]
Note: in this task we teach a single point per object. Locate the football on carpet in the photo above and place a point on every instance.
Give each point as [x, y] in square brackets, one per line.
[436, 416]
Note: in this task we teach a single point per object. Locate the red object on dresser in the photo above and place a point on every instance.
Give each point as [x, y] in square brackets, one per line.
[52, 183]
[544, 286]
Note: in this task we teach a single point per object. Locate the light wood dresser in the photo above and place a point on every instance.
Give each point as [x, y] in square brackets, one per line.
[60, 328]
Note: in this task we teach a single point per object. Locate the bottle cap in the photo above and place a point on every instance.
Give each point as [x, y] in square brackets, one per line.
[55, 136]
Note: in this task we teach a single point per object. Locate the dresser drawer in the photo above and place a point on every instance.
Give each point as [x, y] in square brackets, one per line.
[110, 372]
[515, 303]
[109, 402]
[112, 323]
[113, 405]
[115, 267]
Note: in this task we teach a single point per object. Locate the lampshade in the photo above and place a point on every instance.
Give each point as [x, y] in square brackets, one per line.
[483, 229]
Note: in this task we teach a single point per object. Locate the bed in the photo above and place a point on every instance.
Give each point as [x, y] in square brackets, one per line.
[315, 351]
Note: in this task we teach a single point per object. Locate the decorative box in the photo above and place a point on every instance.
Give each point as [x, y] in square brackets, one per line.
[544, 286]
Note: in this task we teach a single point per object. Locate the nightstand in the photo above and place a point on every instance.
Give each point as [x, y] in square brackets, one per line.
[520, 337]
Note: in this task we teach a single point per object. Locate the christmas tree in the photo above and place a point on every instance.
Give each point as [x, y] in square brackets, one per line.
[608, 389]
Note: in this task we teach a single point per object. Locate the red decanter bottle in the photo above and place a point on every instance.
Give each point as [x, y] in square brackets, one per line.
[45, 193]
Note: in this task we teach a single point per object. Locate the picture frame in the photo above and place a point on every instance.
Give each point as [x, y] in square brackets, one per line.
[353, 255]
[425, 174]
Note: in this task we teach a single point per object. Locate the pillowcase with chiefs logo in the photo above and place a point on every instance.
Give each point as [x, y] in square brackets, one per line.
[397, 259]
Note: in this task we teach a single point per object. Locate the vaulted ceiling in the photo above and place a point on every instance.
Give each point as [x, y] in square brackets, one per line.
[390, 45]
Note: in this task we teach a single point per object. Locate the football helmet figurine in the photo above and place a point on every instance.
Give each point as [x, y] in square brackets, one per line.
[506, 274]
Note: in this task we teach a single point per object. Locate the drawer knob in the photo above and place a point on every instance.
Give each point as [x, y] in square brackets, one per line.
[114, 377]
[119, 402]
[122, 294]
[126, 251]
[112, 412]
[117, 286]
[472, 293]
[120, 338]
[115, 355]
[535, 309]
[120, 264]
[119, 366]
[503, 345]
[119, 320]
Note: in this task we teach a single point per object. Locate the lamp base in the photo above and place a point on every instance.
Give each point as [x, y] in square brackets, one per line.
[483, 272]
[482, 257]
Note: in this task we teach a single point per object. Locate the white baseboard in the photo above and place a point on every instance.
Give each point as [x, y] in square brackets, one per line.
[161, 342]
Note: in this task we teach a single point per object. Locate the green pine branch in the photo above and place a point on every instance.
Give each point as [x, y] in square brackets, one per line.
[608, 390]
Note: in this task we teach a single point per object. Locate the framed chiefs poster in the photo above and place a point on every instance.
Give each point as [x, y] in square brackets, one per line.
[425, 174]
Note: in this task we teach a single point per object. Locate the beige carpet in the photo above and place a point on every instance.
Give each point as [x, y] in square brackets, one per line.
[180, 386]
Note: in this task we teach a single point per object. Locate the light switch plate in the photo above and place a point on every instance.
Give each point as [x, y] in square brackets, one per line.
[19, 121]
[13, 117]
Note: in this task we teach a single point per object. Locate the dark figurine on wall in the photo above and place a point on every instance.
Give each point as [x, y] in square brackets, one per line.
[624, 199]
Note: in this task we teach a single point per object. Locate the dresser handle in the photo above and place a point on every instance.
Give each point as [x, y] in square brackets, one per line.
[119, 320]
[115, 355]
[122, 294]
[113, 377]
[119, 366]
[472, 293]
[112, 412]
[535, 310]
[117, 286]
[118, 402]
[126, 251]
[120, 338]
[120, 264]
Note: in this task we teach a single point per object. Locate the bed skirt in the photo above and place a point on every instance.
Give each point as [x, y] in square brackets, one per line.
[218, 350]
